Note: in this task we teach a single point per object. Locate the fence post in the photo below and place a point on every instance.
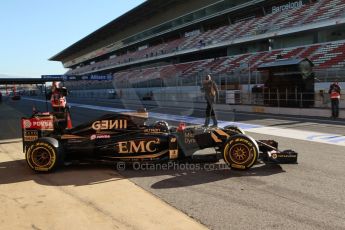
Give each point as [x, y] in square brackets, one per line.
[278, 98]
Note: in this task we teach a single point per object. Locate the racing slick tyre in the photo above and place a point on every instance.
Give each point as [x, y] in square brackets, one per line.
[233, 129]
[44, 155]
[240, 152]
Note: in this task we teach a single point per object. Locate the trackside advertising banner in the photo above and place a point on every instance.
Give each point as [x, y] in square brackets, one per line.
[78, 78]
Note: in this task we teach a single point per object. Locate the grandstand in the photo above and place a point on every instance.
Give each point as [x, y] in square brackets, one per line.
[179, 42]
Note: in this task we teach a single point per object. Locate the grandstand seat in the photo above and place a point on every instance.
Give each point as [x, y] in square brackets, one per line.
[308, 13]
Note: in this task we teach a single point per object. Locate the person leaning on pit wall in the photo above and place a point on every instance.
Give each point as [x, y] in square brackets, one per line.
[334, 93]
[211, 95]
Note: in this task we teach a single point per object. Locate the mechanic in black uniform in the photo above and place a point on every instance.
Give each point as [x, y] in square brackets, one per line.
[211, 95]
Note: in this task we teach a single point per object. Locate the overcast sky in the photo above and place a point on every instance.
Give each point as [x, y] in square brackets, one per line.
[32, 31]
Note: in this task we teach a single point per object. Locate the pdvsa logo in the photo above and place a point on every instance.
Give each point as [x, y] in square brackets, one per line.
[101, 136]
[37, 123]
[27, 124]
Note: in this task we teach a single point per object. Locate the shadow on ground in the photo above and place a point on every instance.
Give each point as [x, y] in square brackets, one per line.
[90, 174]
[184, 178]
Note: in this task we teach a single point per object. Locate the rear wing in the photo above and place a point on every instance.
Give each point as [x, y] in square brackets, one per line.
[36, 127]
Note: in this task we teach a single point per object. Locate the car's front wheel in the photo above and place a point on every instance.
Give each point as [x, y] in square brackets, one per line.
[240, 152]
[44, 156]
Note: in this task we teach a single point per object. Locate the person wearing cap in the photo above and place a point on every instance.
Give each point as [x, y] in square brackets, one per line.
[211, 95]
[334, 93]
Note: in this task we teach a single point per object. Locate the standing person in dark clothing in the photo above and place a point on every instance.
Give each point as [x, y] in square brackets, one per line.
[211, 95]
[334, 93]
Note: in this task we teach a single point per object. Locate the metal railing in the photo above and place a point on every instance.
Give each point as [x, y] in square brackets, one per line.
[184, 87]
[270, 98]
[236, 77]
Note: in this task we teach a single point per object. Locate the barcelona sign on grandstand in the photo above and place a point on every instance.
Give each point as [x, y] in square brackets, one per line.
[287, 6]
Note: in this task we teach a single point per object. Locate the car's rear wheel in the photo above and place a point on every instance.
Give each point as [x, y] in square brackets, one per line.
[240, 152]
[42, 156]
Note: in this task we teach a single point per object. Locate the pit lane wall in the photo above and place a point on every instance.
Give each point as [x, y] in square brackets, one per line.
[192, 97]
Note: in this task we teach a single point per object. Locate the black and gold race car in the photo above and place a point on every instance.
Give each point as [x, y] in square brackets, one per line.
[125, 137]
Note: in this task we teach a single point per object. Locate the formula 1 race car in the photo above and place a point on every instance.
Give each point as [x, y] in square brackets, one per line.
[125, 137]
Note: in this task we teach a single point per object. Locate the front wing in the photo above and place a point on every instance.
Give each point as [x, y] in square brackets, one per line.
[269, 153]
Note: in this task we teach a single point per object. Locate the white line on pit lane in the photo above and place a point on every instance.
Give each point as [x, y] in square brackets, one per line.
[325, 138]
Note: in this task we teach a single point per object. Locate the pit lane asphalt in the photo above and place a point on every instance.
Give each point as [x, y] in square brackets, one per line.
[309, 195]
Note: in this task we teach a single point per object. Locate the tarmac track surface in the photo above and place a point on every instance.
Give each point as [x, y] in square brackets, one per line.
[309, 195]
